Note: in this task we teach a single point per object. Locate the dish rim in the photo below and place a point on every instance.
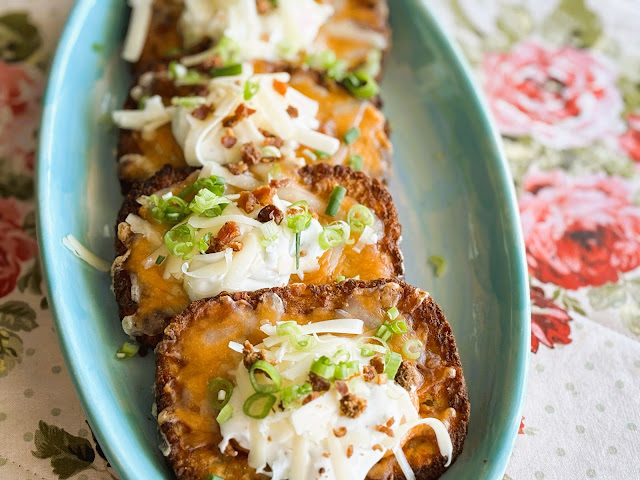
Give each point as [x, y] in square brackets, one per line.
[520, 303]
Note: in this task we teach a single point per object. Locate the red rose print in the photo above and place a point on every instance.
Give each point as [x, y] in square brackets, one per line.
[20, 90]
[579, 232]
[521, 429]
[549, 322]
[15, 245]
[630, 141]
[564, 97]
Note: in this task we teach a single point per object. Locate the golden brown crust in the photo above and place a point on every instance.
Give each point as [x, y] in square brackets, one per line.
[303, 299]
[319, 178]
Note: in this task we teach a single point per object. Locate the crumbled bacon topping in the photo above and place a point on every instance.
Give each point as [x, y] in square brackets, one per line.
[250, 154]
[352, 406]
[247, 201]
[251, 355]
[224, 239]
[271, 212]
[201, 112]
[340, 432]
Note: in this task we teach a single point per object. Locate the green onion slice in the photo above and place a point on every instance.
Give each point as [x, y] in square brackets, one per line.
[412, 348]
[334, 235]
[270, 231]
[393, 363]
[361, 85]
[340, 353]
[320, 154]
[359, 217]
[214, 477]
[303, 343]
[370, 349]
[340, 278]
[323, 367]
[270, 371]
[188, 102]
[298, 235]
[287, 328]
[213, 183]
[345, 370]
[203, 243]
[180, 240]
[208, 203]
[251, 87]
[335, 200]
[352, 135]
[227, 71]
[270, 151]
[384, 332]
[295, 392]
[127, 350]
[214, 387]
[392, 313]
[225, 414]
[258, 405]
[298, 216]
[160, 259]
[399, 326]
[171, 210]
[356, 161]
[439, 264]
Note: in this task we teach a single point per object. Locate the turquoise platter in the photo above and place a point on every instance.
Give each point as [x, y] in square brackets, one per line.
[451, 185]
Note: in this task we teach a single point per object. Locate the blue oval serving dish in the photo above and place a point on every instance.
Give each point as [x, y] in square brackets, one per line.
[453, 192]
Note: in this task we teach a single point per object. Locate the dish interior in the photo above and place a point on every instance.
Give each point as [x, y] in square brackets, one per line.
[452, 191]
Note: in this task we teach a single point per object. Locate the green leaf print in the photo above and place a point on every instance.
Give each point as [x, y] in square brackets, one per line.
[69, 454]
[630, 90]
[29, 224]
[15, 185]
[572, 23]
[32, 279]
[16, 316]
[19, 38]
[607, 296]
[10, 351]
[630, 315]
[515, 22]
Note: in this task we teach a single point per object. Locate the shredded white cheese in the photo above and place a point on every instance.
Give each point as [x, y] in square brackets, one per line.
[85, 254]
[139, 22]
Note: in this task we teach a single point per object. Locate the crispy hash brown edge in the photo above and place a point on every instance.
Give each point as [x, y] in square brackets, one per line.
[361, 187]
[301, 299]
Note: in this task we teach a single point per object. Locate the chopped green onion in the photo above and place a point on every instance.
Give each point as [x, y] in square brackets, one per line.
[270, 371]
[439, 264]
[303, 343]
[213, 183]
[127, 350]
[270, 231]
[323, 367]
[142, 102]
[176, 70]
[411, 348]
[352, 135]
[372, 65]
[172, 52]
[171, 210]
[180, 240]
[275, 171]
[399, 326]
[393, 363]
[359, 217]
[334, 235]
[341, 353]
[361, 85]
[298, 216]
[270, 152]
[160, 259]
[226, 71]
[208, 203]
[392, 313]
[298, 236]
[340, 278]
[337, 196]
[320, 154]
[345, 370]
[214, 387]
[188, 102]
[203, 243]
[369, 349]
[225, 414]
[258, 405]
[356, 161]
[295, 392]
[227, 49]
[384, 332]
[96, 47]
[251, 87]
[191, 78]
[214, 477]
[327, 60]
[287, 328]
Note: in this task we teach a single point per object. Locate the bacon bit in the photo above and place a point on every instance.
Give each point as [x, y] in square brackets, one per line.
[230, 451]
[352, 406]
[318, 383]
[213, 62]
[311, 397]
[341, 387]
[368, 373]
[247, 201]
[349, 451]
[271, 212]
[279, 183]
[228, 141]
[280, 87]
[271, 139]
[237, 168]
[264, 194]
[403, 420]
[390, 422]
[264, 6]
[378, 363]
[329, 128]
[292, 111]
[201, 112]
[326, 454]
[378, 447]
[384, 429]
[223, 240]
[251, 355]
[250, 154]
[340, 432]
[241, 112]
[382, 378]
[321, 471]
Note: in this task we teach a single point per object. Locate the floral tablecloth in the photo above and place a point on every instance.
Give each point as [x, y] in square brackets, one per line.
[562, 78]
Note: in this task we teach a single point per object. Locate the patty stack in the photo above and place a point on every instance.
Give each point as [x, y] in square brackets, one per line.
[258, 248]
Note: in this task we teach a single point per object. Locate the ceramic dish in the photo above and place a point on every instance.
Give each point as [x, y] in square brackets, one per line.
[451, 186]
